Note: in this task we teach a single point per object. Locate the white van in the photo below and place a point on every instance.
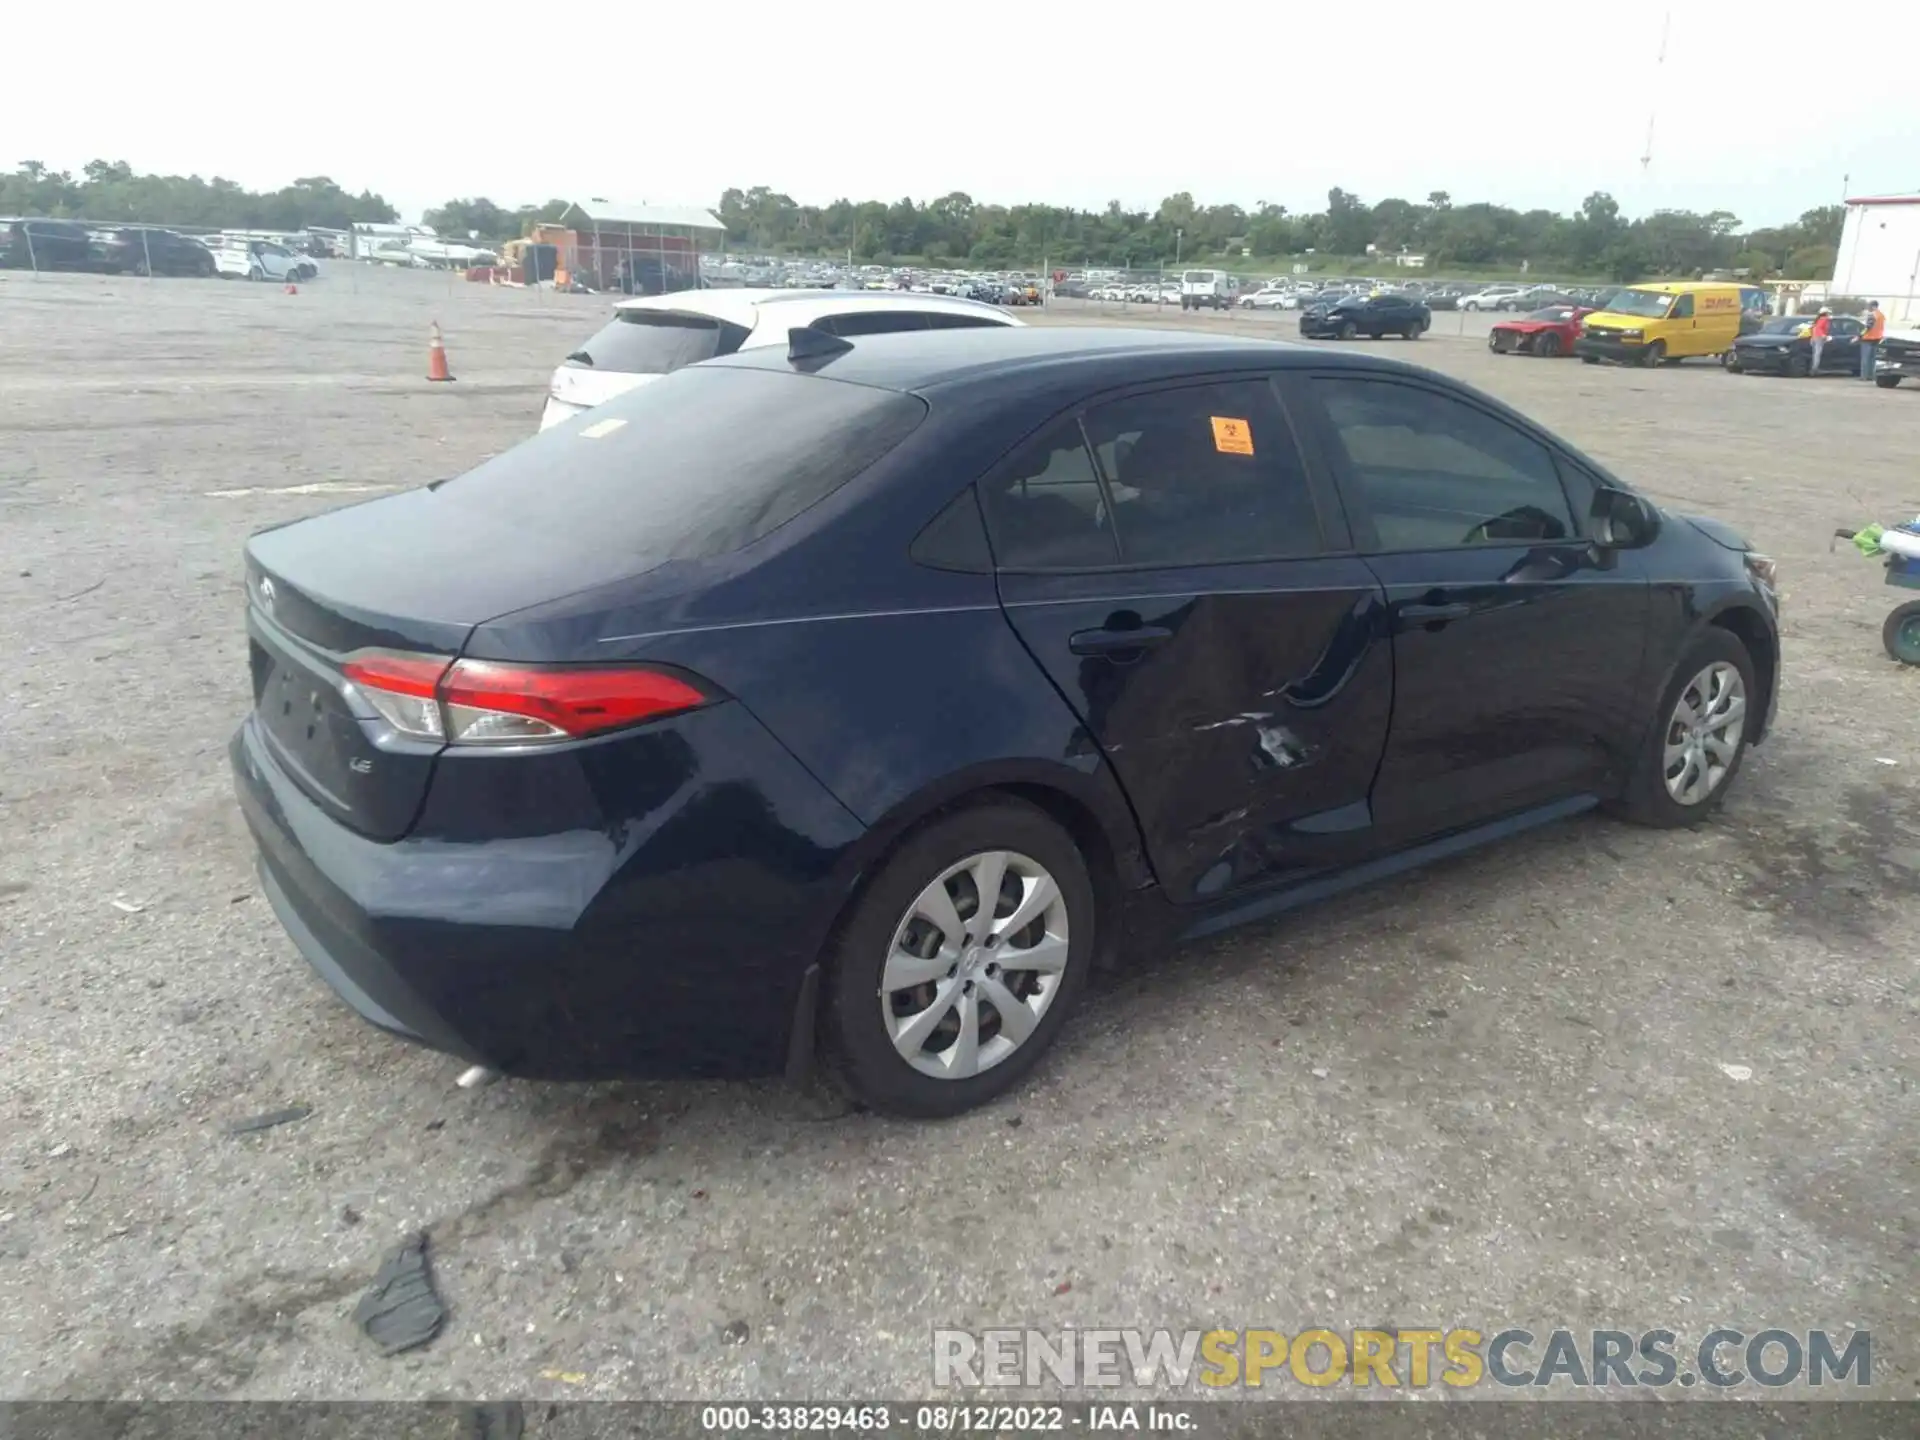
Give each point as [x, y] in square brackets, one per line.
[1207, 289]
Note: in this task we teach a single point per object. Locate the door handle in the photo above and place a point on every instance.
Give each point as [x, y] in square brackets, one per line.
[1115, 642]
[1435, 614]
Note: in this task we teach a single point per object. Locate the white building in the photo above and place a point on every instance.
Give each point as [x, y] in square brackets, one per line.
[1880, 255]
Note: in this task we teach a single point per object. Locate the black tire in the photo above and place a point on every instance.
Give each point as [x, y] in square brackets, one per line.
[1886, 382]
[1415, 329]
[858, 1052]
[1730, 362]
[1646, 800]
[1901, 633]
[1800, 366]
[1654, 354]
[1589, 359]
[1348, 330]
[1546, 343]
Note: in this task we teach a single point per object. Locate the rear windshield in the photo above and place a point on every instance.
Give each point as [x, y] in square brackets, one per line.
[657, 342]
[1198, 277]
[692, 466]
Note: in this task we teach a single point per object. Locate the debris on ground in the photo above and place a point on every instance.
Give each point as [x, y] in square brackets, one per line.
[270, 1119]
[401, 1311]
[1737, 1072]
[498, 1420]
[735, 1334]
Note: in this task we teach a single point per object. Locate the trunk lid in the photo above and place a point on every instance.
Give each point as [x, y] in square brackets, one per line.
[332, 743]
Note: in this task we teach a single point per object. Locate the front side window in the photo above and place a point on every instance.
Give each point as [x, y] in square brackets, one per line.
[1437, 473]
[1683, 308]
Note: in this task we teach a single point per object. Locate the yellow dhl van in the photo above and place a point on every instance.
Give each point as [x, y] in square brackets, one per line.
[1664, 323]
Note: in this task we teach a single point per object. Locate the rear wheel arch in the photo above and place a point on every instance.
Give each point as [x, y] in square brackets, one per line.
[1110, 845]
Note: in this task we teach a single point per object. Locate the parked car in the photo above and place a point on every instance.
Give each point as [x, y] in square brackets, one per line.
[648, 338]
[1548, 331]
[1490, 297]
[260, 260]
[1899, 359]
[1371, 315]
[1266, 300]
[1783, 345]
[150, 250]
[33, 244]
[855, 700]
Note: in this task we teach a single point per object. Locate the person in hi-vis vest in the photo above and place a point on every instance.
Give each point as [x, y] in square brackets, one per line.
[1876, 322]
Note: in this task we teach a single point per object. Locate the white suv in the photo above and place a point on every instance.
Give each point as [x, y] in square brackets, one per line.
[260, 260]
[654, 336]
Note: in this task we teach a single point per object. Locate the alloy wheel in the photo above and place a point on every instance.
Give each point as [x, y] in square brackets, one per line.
[974, 964]
[1704, 733]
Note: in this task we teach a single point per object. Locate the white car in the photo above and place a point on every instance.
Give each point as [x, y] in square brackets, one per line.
[1269, 300]
[656, 335]
[1491, 297]
[260, 260]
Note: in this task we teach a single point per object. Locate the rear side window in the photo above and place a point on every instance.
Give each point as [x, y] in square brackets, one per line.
[1047, 510]
[872, 322]
[695, 465]
[964, 322]
[1204, 475]
[657, 342]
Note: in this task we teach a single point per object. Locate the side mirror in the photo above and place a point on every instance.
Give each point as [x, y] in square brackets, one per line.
[1623, 520]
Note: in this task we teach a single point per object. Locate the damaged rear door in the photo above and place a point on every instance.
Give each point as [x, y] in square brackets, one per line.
[1188, 584]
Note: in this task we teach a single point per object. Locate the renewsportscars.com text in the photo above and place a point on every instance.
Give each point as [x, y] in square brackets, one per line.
[1722, 1358]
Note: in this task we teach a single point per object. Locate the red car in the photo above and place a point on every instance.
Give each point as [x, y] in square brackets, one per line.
[1545, 332]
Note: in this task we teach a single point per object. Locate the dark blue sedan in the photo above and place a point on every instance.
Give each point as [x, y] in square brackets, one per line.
[853, 701]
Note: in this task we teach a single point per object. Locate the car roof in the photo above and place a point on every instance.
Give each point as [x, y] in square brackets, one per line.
[1682, 287]
[802, 307]
[928, 359]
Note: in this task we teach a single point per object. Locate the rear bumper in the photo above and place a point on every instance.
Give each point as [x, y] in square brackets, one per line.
[644, 907]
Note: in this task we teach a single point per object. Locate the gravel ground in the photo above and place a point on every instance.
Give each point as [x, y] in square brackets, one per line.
[1489, 1094]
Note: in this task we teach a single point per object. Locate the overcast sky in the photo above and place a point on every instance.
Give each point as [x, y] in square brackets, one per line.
[1756, 109]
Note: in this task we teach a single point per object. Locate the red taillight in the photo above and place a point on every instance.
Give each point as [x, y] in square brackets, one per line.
[493, 703]
[490, 702]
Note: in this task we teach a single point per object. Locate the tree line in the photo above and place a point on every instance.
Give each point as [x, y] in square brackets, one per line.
[108, 191]
[956, 229]
[1596, 239]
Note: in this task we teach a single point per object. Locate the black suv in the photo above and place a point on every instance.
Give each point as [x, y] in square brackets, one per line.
[43, 245]
[1370, 315]
[149, 250]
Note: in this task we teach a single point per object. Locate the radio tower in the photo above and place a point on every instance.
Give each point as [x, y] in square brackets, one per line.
[1659, 66]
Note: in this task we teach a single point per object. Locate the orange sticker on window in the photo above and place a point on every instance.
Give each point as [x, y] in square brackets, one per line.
[1232, 437]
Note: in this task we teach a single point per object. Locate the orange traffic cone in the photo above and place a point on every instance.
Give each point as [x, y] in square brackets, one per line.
[436, 355]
